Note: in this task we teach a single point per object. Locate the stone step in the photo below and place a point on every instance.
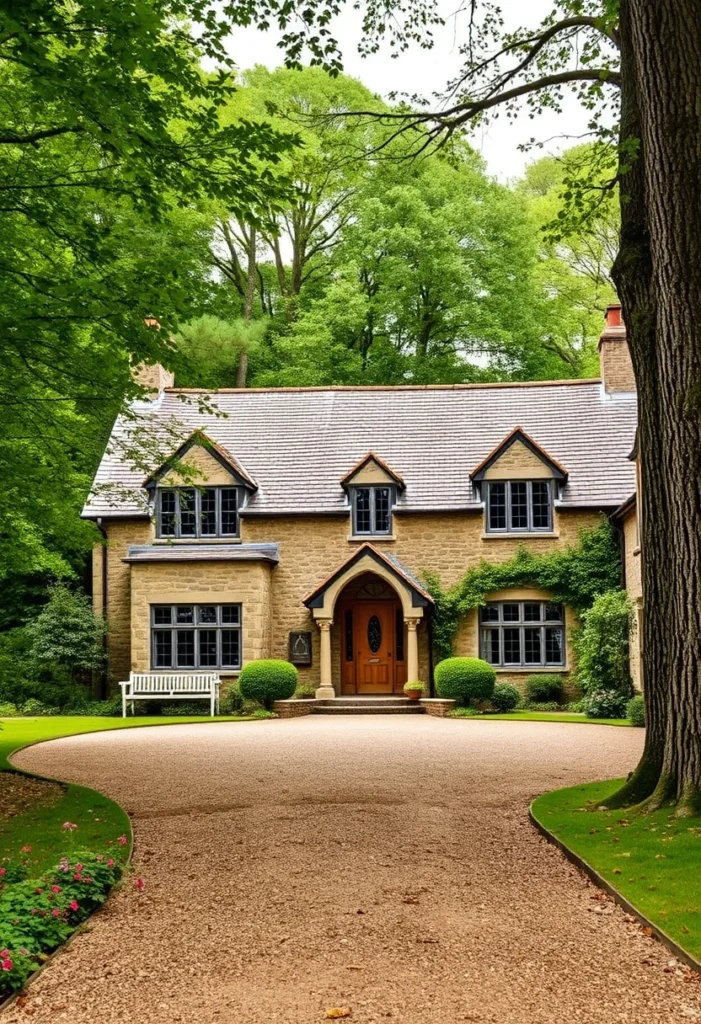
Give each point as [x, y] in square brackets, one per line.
[377, 707]
[364, 702]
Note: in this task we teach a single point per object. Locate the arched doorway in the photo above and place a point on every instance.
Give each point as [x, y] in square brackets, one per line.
[372, 636]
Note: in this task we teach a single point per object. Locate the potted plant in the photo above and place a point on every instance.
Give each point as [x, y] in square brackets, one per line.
[414, 690]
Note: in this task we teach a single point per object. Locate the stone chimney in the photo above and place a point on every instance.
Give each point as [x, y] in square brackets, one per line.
[614, 356]
[153, 376]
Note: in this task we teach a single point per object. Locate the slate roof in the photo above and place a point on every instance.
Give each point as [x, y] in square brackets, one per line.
[297, 444]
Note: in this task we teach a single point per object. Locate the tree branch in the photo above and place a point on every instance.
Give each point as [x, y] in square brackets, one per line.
[12, 138]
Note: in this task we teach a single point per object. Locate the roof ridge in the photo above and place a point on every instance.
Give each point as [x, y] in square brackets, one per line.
[389, 387]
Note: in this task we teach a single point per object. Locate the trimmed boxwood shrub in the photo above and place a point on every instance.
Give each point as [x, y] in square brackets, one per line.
[605, 704]
[544, 689]
[505, 697]
[465, 679]
[635, 709]
[268, 680]
[305, 692]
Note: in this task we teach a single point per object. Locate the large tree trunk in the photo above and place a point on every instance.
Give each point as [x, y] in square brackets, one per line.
[658, 274]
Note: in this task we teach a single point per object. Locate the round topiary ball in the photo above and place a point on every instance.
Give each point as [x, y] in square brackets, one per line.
[268, 680]
[505, 697]
[465, 679]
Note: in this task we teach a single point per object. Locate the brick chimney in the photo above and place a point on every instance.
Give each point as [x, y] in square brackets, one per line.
[153, 376]
[614, 356]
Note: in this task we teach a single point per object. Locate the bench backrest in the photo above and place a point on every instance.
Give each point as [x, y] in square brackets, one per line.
[195, 682]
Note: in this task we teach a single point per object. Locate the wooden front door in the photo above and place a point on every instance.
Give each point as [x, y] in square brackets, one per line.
[374, 636]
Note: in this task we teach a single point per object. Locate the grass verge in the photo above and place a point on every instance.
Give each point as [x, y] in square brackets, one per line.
[653, 860]
[544, 716]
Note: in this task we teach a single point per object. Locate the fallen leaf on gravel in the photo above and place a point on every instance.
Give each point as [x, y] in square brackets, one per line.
[648, 931]
[338, 1011]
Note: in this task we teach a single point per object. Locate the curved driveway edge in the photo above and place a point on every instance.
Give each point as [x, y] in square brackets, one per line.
[601, 883]
[385, 864]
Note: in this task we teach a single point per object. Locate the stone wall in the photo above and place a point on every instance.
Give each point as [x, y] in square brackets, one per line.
[311, 548]
[120, 534]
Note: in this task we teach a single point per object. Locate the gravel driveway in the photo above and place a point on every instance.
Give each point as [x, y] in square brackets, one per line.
[382, 864]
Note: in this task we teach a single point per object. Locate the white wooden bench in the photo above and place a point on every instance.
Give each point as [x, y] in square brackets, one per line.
[171, 686]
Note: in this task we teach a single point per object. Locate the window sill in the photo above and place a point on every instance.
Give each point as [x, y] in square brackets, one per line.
[534, 535]
[371, 538]
[535, 670]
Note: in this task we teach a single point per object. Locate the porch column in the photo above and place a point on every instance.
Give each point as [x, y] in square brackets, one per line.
[412, 651]
[326, 690]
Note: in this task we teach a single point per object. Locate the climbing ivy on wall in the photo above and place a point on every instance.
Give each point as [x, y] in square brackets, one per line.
[574, 576]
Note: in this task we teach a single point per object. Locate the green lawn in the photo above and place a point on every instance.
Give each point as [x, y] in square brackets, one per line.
[547, 716]
[654, 860]
[99, 819]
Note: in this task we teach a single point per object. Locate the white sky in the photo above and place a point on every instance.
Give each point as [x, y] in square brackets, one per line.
[424, 72]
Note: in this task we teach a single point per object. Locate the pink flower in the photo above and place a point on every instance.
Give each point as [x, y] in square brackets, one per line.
[6, 964]
[55, 912]
[122, 840]
[110, 863]
[73, 904]
[69, 826]
[26, 849]
[3, 871]
[63, 864]
[4, 953]
[79, 867]
[77, 878]
[139, 883]
[55, 888]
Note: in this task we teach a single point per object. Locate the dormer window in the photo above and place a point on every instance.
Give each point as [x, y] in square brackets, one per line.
[194, 513]
[372, 510]
[198, 511]
[518, 482]
[372, 487]
[519, 506]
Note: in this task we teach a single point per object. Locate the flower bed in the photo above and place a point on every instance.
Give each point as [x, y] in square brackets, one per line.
[37, 915]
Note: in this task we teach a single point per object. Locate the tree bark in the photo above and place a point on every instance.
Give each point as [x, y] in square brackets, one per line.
[251, 273]
[658, 274]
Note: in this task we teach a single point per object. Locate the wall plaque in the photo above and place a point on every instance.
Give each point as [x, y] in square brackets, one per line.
[300, 648]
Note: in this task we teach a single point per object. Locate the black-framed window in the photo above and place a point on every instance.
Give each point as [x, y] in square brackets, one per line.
[372, 510]
[519, 506]
[196, 636]
[523, 634]
[197, 512]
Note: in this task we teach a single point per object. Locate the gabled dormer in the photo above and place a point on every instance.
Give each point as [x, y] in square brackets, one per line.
[372, 487]
[197, 493]
[518, 482]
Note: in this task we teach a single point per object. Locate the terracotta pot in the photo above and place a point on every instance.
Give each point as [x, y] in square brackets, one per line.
[413, 694]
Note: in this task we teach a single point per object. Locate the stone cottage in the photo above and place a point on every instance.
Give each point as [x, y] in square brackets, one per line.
[298, 522]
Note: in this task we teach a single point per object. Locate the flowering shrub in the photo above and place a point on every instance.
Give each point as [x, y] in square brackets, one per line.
[38, 914]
